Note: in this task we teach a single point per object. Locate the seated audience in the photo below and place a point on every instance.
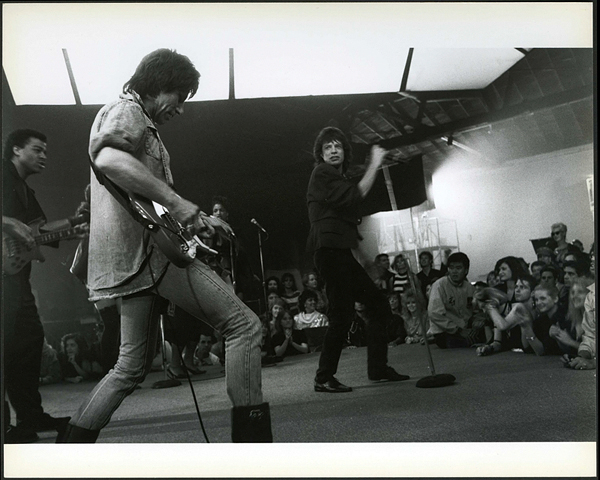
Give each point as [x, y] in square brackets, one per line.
[508, 269]
[311, 281]
[546, 255]
[404, 278]
[537, 333]
[573, 270]
[536, 269]
[414, 317]
[287, 340]
[559, 235]
[396, 333]
[492, 279]
[508, 333]
[357, 334]
[75, 361]
[451, 305]
[482, 327]
[586, 353]
[381, 274]
[273, 284]
[569, 333]
[182, 332]
[313, 323]
[50, 367]
[203, 355]
[428, 274]
[290, 293]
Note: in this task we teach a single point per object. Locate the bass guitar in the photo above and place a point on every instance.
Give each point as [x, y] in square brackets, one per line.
[16, 254]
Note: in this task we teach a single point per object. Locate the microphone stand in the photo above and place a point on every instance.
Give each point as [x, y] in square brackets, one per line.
[262, 268]
[233, 258]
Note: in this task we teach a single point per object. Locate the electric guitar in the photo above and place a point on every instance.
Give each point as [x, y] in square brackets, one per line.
[16, 254]
[174, 240]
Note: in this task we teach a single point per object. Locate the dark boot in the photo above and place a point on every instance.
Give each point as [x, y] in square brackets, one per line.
[251, 424]
[74, 434]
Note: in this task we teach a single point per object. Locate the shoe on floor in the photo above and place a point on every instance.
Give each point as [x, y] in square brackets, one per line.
[46, 423]
[20, 434]
[332, 386]
[388, 375]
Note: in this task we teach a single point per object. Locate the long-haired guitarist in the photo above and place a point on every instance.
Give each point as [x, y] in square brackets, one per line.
[130, 256]
[23, 334]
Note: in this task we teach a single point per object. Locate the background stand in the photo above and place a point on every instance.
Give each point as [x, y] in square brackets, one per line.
[167, 382]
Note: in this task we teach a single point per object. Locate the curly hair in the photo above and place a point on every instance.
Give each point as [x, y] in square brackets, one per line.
[329, 134]
[83, 349]
[513, 263]
[164, 70]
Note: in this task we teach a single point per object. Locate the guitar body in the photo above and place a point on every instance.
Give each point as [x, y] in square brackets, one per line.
[172, 238]
[15, 254]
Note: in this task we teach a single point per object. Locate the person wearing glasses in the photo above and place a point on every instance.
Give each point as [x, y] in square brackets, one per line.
[559, 235]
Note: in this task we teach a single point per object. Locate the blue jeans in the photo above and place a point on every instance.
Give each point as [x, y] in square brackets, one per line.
[202, 293]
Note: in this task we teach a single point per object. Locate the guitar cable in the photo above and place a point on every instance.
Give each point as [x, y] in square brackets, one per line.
[187, 374]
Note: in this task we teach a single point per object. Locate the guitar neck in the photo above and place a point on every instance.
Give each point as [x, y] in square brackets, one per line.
[51, 237]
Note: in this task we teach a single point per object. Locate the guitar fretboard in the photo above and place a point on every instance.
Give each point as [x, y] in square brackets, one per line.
[55, 236]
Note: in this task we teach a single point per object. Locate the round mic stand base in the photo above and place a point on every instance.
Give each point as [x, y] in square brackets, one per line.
[434, 381]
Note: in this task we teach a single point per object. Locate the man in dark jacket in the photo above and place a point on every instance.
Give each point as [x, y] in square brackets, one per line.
[333, 203]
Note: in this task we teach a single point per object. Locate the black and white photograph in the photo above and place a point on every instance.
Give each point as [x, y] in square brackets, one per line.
[313, 239]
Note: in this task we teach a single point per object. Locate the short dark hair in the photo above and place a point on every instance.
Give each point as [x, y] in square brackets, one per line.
[19, 138]
[287, 275]
[537, 263]
[459, 257]
[164, 70]
[329, 134]
[580, 268]
[381, 255]
[552, 270]
[530, 279]
[427, 253]
[221, 200]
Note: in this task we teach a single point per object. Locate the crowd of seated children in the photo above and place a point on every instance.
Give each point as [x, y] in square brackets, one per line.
[568, 334]
[50, 366]
[312, 322]
[311, 281]
[289, 292]
[414, 317]
[287, 340]
[76, 361]
[396, 333]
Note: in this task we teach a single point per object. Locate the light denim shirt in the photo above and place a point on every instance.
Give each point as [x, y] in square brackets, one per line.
[123, 259]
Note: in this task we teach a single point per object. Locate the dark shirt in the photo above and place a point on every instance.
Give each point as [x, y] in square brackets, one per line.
[425, 279]
[298, 337]
[18, 199]
[395, 329]
[541, 328]
[333, 203]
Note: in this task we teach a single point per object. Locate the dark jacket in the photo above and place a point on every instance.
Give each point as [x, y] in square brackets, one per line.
[332, 202]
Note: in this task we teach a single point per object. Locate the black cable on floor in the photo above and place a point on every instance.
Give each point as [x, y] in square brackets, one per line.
[187, 374]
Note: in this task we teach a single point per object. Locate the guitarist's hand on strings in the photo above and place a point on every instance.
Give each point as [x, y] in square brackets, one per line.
[18, 230]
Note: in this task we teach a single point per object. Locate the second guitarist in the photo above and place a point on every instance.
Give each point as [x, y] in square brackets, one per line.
[24, 155]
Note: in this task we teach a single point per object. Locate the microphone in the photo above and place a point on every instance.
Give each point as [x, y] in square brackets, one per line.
[253, 221]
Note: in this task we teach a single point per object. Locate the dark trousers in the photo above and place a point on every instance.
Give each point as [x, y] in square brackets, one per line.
[346, 282]
[23, 339]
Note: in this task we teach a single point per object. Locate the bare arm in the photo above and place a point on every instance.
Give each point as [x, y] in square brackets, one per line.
[130, 174]
[375, 160]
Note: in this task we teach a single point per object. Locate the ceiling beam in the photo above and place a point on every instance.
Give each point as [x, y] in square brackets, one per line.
[406, 69]
[427, 133]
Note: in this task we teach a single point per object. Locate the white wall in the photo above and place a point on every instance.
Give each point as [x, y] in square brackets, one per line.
[498, 208]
